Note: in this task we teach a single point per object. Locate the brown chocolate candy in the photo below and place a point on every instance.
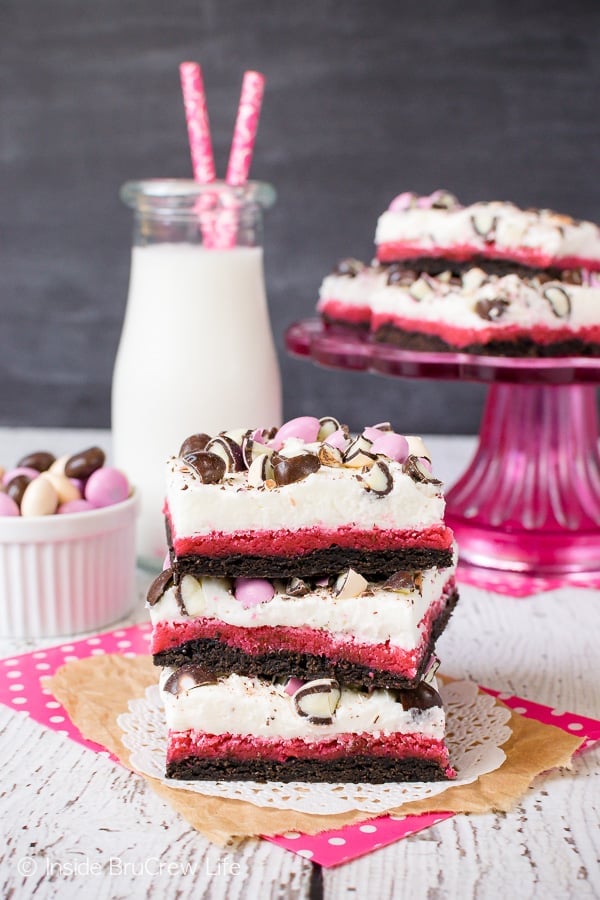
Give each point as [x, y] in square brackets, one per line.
[349, 267]
[327, 425]
[317, 700]
[330, 456]
[377, 479]
[40, 460]
[484, 224]
[559, 300]
[358, 453]
[194, 443]
[289, 469]
[402, 582]
[210, 467]
[82, 464]
[492, 310]
[423, 697]
[571, 276]
[260, 471]
[188, 677]
[418, 472]
[158, 587]
[401, 275]
[443, 199]
[230, 451]
[251, 449]
[296, 587]
[349, 584]
[16, 487]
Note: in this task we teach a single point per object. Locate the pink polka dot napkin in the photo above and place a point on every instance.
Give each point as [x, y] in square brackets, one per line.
[21, 690]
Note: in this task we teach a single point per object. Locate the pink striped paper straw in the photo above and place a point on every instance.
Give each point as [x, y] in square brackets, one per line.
[246, 126]
[196, 114]
[240, 156]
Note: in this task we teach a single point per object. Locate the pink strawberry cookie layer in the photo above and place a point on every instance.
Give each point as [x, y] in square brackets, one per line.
[396, 251]
[338, 311]
[345, 297]
[284, 542]
[192, 743]
[463, 337]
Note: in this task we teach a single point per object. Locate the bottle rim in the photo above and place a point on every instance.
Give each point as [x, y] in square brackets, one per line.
[180, 194]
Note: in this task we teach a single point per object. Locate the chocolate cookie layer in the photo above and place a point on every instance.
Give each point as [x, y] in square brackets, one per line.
[343, 327]
[316, 562]
[353, 769]
[521, 347]
[221, 659]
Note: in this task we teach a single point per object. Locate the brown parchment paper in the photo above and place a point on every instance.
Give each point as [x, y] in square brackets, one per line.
[96, 690]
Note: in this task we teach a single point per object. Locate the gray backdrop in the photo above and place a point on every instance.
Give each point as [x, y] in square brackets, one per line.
[491, 100]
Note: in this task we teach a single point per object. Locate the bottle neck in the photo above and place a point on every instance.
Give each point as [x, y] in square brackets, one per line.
[213, 227]
[179, 211]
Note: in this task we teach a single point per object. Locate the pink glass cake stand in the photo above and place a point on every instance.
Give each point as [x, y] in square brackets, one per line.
[526, 513]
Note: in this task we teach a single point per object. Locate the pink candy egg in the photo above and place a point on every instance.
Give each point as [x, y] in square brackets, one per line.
[75, 506]
[402, 202]
[260, 436]
[337, 439]
[372, 433]
[293, 685]
[395, 446]
[424, 202]
[19, 470]
[305, 428]
[253, 591]
[8, 507]
[106, 486]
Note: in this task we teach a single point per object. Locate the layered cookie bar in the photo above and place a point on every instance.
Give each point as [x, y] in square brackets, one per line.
[311, 574]
[248, 728]
[374, 633]
[306, 499]
[488, 309]
[437, 226]
[345, 295]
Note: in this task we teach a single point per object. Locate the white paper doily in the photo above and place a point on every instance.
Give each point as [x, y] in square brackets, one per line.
[475, 730]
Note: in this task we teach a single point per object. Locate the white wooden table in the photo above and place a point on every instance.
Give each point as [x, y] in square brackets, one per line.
[73, 822]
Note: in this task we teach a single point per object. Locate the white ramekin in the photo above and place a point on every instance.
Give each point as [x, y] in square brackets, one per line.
[64, 574]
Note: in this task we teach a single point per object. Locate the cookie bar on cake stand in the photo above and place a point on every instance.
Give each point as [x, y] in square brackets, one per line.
[526, 512]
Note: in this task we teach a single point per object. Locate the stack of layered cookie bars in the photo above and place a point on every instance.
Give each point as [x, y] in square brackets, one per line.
[310, 575]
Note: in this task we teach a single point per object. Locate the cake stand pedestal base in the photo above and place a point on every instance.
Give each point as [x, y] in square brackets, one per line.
[527, 510]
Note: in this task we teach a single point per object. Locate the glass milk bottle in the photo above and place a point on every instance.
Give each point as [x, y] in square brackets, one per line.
[196, 352]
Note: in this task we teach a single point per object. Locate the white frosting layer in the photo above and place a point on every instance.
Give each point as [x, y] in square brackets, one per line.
[375, 616]
[328, 498]
[552, 234]
[351, 291]
[456, 304]
[248, 706]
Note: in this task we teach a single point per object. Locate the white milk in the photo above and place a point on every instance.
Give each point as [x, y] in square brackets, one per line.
[196, 354]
